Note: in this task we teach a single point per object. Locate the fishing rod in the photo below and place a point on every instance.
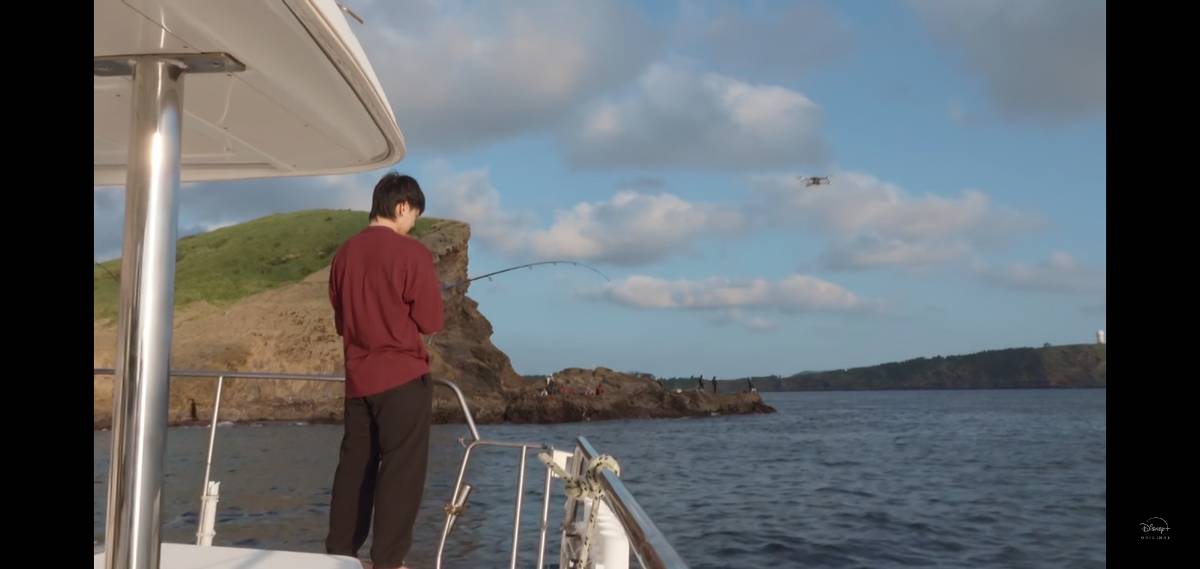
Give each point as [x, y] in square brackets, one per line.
[529, 266]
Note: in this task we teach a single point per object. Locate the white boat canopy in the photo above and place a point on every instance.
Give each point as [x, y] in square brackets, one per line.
[307, 103]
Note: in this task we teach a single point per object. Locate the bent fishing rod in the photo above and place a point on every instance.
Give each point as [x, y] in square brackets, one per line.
[525, 266]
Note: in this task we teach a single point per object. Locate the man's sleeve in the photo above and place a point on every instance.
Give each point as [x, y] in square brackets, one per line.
[335, 297]
[423, 293]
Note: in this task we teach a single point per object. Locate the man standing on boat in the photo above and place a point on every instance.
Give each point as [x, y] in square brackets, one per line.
[385, 293]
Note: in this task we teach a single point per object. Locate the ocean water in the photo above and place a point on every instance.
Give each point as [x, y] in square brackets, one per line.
[992, 478]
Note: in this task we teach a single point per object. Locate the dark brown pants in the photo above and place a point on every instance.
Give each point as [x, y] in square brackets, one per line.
[385, 450]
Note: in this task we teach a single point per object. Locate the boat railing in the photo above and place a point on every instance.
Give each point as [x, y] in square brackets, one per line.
[648, 544]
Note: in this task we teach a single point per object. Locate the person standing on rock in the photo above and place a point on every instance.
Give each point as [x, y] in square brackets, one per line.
[714, 384]
[385, 294]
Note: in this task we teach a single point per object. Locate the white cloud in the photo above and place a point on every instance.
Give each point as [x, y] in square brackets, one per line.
[870, 251]
[795, 293]
[762, 40]
[1060, 273]
[460, 74]
[470, 197]
[676, 117]
[631, 228]
[871, 223]
[751, 322]
[1040, 60]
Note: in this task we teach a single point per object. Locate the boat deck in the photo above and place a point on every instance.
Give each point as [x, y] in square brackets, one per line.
[184, 556]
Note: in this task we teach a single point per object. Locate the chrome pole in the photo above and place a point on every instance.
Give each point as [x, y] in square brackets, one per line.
[140, 392]
[212, 433]
[212, 438]
[545, 519]
[512, 564]
[454, 499]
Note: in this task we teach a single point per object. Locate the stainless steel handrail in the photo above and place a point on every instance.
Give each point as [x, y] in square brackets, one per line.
[650, 546]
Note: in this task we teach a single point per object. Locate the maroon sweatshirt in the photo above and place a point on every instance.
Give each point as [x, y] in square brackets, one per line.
[385, 293]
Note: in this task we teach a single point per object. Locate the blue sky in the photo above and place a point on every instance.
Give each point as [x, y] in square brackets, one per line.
[663, 144]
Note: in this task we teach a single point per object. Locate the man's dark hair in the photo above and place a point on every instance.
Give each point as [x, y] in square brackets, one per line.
[392, 190]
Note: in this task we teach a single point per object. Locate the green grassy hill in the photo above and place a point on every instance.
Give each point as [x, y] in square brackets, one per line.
[230, 263]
